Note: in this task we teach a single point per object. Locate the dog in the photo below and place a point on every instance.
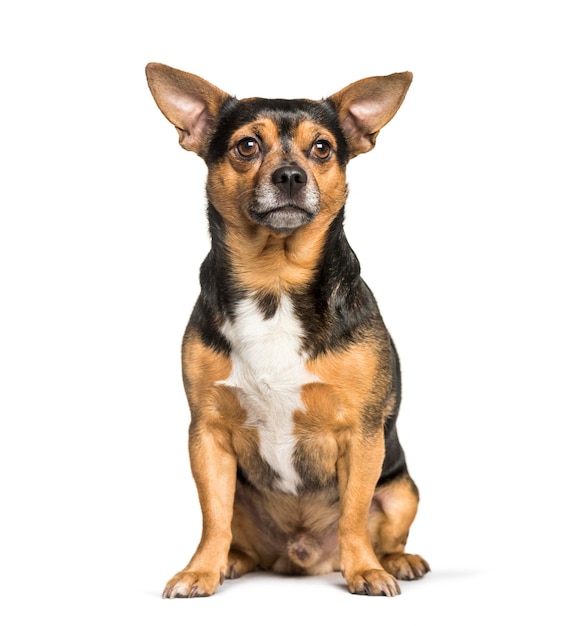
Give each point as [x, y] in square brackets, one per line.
[292, 379]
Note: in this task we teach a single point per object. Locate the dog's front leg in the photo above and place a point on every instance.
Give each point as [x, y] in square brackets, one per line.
[214, 470]
[358, 472]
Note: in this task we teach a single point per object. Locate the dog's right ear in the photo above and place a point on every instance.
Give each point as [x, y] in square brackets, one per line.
[188, 101]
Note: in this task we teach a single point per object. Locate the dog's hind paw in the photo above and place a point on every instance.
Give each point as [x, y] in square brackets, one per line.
[239, 564]
[405, 566]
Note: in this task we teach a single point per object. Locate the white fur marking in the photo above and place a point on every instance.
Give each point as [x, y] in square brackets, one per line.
[268, 372]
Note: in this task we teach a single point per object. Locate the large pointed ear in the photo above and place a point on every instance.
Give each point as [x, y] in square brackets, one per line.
[368, 105]
[189, 102]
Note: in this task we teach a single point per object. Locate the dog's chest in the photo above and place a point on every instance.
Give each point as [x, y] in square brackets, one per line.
[268, 374]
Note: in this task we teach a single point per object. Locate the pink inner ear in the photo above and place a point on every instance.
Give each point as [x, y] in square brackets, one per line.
[189, 112]
[367, 115]
[190, 118]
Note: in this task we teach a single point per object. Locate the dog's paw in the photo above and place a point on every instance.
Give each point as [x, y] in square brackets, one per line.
[191, 584]
[405, 566]
[374, 582]
[239, 564]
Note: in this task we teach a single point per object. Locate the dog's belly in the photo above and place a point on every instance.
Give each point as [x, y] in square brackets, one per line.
[268, 375]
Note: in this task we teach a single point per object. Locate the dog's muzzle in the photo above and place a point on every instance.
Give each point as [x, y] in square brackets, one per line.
[286, 201]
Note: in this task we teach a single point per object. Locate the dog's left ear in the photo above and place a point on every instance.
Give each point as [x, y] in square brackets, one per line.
[188, 101]
[367, 105]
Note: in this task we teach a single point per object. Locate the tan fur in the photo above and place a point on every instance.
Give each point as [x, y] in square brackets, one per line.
[353, 376]
[394, 510]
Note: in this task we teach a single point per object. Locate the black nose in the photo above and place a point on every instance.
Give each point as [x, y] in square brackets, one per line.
[289, 178]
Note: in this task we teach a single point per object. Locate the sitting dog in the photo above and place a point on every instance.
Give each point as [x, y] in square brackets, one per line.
[292, 379]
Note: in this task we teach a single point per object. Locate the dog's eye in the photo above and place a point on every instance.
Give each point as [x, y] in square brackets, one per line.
[247, 147]
[321, 150]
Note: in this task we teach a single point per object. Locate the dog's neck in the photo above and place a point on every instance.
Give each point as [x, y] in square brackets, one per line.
[323, 281]
[261, 261]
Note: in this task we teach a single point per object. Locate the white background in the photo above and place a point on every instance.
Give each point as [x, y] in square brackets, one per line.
[457, 217]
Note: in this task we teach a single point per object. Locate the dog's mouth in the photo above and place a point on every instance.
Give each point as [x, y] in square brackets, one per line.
[283, 219]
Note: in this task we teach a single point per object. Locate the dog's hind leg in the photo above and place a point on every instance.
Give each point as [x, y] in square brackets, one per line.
[393, 510]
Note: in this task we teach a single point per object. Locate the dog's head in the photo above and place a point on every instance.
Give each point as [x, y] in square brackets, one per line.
[276, 164]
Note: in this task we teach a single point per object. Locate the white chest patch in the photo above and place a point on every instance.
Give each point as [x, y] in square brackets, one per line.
[268, 372]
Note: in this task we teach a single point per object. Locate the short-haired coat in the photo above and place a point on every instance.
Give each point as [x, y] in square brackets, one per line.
[292, 379]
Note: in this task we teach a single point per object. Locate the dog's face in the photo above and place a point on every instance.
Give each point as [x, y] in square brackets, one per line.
[276, 164]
